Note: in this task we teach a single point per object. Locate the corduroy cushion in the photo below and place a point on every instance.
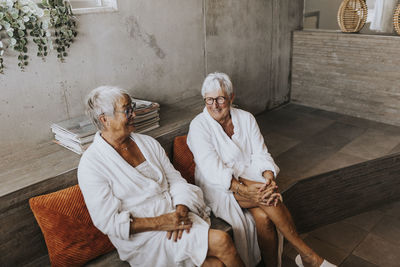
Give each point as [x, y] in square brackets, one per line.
[183, 159]
[68, 230]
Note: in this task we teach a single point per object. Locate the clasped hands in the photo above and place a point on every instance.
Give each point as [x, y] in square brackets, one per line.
[175, 223]
[268, 193]
[263, 194]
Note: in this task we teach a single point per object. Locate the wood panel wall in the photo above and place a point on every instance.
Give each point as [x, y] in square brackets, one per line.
[353, 74]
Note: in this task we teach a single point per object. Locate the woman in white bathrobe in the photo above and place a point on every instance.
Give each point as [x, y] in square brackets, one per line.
[135, 196]
[237, 175]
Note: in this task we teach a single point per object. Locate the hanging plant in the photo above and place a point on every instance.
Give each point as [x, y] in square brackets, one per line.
[64, 24]
[22, 21]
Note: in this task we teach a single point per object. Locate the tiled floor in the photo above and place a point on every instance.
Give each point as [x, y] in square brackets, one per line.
[367, 239]
[305, 142]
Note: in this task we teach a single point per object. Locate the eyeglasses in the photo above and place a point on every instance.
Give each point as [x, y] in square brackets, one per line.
[210, 100]
[128, 111]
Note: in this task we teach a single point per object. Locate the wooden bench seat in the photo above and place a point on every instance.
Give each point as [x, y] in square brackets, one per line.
[70, 235]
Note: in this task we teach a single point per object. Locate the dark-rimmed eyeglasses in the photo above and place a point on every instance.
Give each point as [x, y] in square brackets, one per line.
[210, 100]
[128, 111]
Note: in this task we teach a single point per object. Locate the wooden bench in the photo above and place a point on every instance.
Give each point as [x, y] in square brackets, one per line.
[70, 235]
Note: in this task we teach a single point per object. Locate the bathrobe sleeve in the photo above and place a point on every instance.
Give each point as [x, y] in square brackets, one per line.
[104, 208]
[206, 157]
[260, 159]
[181, 191]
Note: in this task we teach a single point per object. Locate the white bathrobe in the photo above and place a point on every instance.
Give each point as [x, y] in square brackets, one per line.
[113, 190]
[218, 158]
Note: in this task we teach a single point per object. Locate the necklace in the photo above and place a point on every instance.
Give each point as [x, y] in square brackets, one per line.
[122, 148]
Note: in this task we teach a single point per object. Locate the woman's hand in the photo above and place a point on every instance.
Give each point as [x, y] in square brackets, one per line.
[252, 191]
[272, 200]
[270, 195]
[181, 222]
[261, 194]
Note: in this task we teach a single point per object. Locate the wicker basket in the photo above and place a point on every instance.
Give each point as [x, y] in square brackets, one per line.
[352, 15]
[396, 19]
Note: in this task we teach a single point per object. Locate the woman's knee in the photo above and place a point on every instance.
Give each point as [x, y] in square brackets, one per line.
[220, 241]
[262, 220]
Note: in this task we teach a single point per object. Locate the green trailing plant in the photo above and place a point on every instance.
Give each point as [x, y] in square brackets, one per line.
[22, 21]
[64, 26]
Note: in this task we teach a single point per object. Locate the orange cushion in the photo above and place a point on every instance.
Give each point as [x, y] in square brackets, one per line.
[70, 235]
[183, 159]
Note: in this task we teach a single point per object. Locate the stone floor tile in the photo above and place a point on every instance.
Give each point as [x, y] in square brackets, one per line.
[325, 250]
[296, 108]
[278, 117]
[372, 144]
[395, 150]
[337, 135]
[392, 209]
[285, 181]
[289, 251]
[365, 220]
[336, 161]
[328, 114]
[301, 158]
[364, 123]
[378, 251]
[288, 262]
[305, 126]
[354, 261]
[389, 229]
[277, 143]
[341, 235]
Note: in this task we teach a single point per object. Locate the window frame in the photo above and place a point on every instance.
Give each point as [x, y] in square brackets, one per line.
[103, 6]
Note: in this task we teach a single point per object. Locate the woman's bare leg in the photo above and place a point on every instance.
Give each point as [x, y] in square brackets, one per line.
[266, 236]
[282, 219]
[266, 233]
[220, 246]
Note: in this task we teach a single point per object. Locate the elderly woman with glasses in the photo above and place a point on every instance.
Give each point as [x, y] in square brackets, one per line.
[136, 197]
[237, 175]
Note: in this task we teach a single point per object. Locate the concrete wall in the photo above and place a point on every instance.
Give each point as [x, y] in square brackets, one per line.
[353, 74]
[251, 40]
[328, 12]
[159, 50]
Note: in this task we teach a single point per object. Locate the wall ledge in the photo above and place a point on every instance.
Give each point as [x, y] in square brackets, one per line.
[48, 160]
[348, 34]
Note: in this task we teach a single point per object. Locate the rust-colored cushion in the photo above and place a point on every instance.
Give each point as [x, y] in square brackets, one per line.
[70, 235]
[183, 159]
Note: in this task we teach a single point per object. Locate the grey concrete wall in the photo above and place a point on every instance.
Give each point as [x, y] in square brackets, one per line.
[152, 48]
[352, 74]
[328, 12]
[159, 50]
[251, 41]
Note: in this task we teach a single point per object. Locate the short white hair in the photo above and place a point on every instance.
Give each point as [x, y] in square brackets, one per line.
[102, 100]
[217, 81]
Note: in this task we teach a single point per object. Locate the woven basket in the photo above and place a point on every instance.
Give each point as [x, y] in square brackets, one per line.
[352, 15]
[396, 20]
